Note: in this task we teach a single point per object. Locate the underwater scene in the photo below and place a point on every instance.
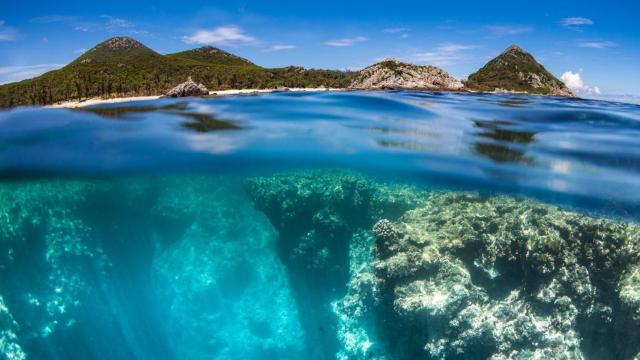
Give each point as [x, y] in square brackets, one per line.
[322, 225]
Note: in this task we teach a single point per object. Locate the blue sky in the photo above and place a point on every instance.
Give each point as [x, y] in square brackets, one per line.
[595, 45]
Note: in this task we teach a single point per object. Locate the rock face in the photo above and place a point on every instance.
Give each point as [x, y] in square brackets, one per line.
[515, 70]
[188, 88]
[395, 74]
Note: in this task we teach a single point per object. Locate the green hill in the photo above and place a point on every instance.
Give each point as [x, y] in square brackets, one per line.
[516, 70]
[122, 66]
[211, 55]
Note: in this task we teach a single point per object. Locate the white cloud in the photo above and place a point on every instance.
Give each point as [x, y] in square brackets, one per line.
[574, 82]
[281, 47]
[398, 30]
[229, 34]
[17, 73]
[114, 22]
[445, 54]
[597, 44]
[80, 51]
[401, 32]
[508, 30]
[83, 28]
[7, 33]
[346, 42]
[576, 23]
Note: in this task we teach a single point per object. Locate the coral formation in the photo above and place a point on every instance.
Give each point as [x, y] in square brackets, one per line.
[333, 265]
[473, 277]
[318, 214]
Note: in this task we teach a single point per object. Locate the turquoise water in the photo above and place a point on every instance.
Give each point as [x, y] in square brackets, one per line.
[349, 225]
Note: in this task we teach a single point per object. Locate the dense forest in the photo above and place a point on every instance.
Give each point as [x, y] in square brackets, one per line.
[124, 67]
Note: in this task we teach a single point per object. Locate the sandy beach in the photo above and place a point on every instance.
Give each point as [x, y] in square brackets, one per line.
[96, 101]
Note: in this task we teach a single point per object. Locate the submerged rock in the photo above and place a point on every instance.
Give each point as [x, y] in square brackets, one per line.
[319, 215]
[226, 294]
[188, 88]
[466, 276]
[398, 75]
[48, 264]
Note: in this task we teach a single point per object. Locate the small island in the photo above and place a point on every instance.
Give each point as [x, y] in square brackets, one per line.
[124, 67]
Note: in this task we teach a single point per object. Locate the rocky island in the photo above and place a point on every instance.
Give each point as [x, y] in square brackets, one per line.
[392, 73]
[124, 67]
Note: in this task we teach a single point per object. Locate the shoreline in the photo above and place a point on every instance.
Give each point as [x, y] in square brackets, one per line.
[72, 104]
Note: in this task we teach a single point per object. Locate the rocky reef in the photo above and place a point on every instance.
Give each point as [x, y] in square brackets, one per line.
[469, 277]
[318, 216]
[226, 297]
[394, 74]
[162, 268]
[49, 267]
[455, 276]
[308, 265]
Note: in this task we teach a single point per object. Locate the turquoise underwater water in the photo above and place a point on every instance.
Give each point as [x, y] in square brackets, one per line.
[348, 225]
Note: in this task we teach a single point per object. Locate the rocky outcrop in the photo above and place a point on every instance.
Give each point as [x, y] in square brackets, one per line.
[323, 220]
[515, 70]
[188, 88]
[502, 278]
[398, 75]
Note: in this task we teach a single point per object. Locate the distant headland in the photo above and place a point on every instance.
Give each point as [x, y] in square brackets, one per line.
[124, 67]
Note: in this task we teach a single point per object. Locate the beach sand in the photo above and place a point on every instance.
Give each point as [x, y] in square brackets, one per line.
[96, 101]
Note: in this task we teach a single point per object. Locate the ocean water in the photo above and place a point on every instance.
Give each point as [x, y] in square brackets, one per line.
[329, 225]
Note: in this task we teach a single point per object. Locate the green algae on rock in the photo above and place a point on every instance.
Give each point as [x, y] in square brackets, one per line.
[504, 278]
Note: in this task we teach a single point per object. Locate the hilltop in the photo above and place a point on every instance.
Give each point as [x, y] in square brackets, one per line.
[395, 74]
[517, 70]
[122, 66]
[211, 55]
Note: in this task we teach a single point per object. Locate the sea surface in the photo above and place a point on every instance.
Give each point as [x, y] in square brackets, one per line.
[321, 225]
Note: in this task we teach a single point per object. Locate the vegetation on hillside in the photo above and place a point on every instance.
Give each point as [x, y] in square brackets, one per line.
[515, 70]
[124, 67]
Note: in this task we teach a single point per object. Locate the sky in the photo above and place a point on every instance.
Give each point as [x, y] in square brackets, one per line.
[594, 46]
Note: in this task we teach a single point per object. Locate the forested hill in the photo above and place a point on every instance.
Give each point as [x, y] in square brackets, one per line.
[122, 66]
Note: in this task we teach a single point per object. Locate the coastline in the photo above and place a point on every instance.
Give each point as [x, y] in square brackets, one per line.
[72, 104]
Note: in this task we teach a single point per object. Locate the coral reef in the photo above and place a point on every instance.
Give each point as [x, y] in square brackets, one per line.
[318, 214]
[309, 264]
[472, 277]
